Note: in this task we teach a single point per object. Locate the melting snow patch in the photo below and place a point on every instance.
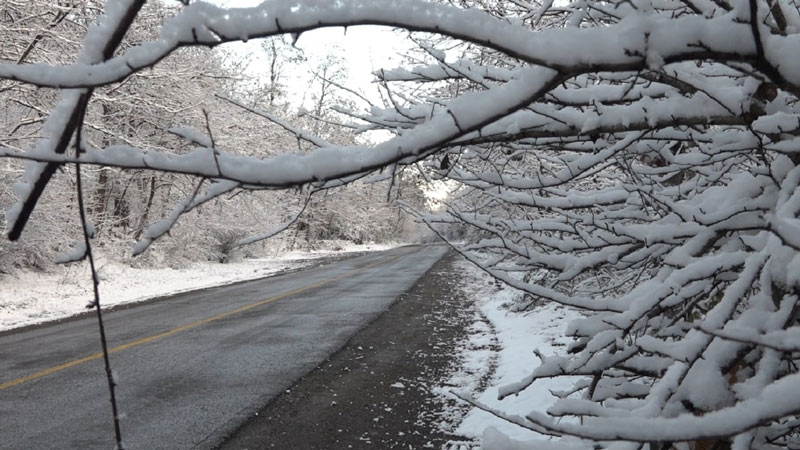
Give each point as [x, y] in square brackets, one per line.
[499, 351]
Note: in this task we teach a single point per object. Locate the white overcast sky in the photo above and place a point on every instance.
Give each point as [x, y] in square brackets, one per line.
[363, 50]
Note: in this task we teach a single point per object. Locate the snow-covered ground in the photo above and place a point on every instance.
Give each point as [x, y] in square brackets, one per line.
[499, 352]
[31, 297]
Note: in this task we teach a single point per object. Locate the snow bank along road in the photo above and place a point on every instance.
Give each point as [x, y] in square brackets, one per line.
[191, 368]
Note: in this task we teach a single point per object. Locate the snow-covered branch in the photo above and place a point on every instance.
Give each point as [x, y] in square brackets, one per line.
[637, 161]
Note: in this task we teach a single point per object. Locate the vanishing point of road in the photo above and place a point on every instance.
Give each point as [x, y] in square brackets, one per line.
[191, 368]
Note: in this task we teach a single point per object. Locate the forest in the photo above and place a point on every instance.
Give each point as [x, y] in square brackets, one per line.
[160, 109]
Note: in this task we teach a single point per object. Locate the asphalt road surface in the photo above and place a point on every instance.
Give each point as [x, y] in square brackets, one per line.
[192, 368]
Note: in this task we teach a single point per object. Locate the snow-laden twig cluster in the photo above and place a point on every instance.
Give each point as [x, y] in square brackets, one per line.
[663, 202]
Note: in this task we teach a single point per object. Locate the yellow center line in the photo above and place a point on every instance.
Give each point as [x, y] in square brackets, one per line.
[189, 326]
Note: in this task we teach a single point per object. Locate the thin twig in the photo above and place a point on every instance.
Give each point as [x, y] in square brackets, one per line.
[87, 235]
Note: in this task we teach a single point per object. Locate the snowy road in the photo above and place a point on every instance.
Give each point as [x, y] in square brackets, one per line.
[191, 368]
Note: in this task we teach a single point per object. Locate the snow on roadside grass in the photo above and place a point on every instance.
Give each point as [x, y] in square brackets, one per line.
[499, 352]
[30, 297]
